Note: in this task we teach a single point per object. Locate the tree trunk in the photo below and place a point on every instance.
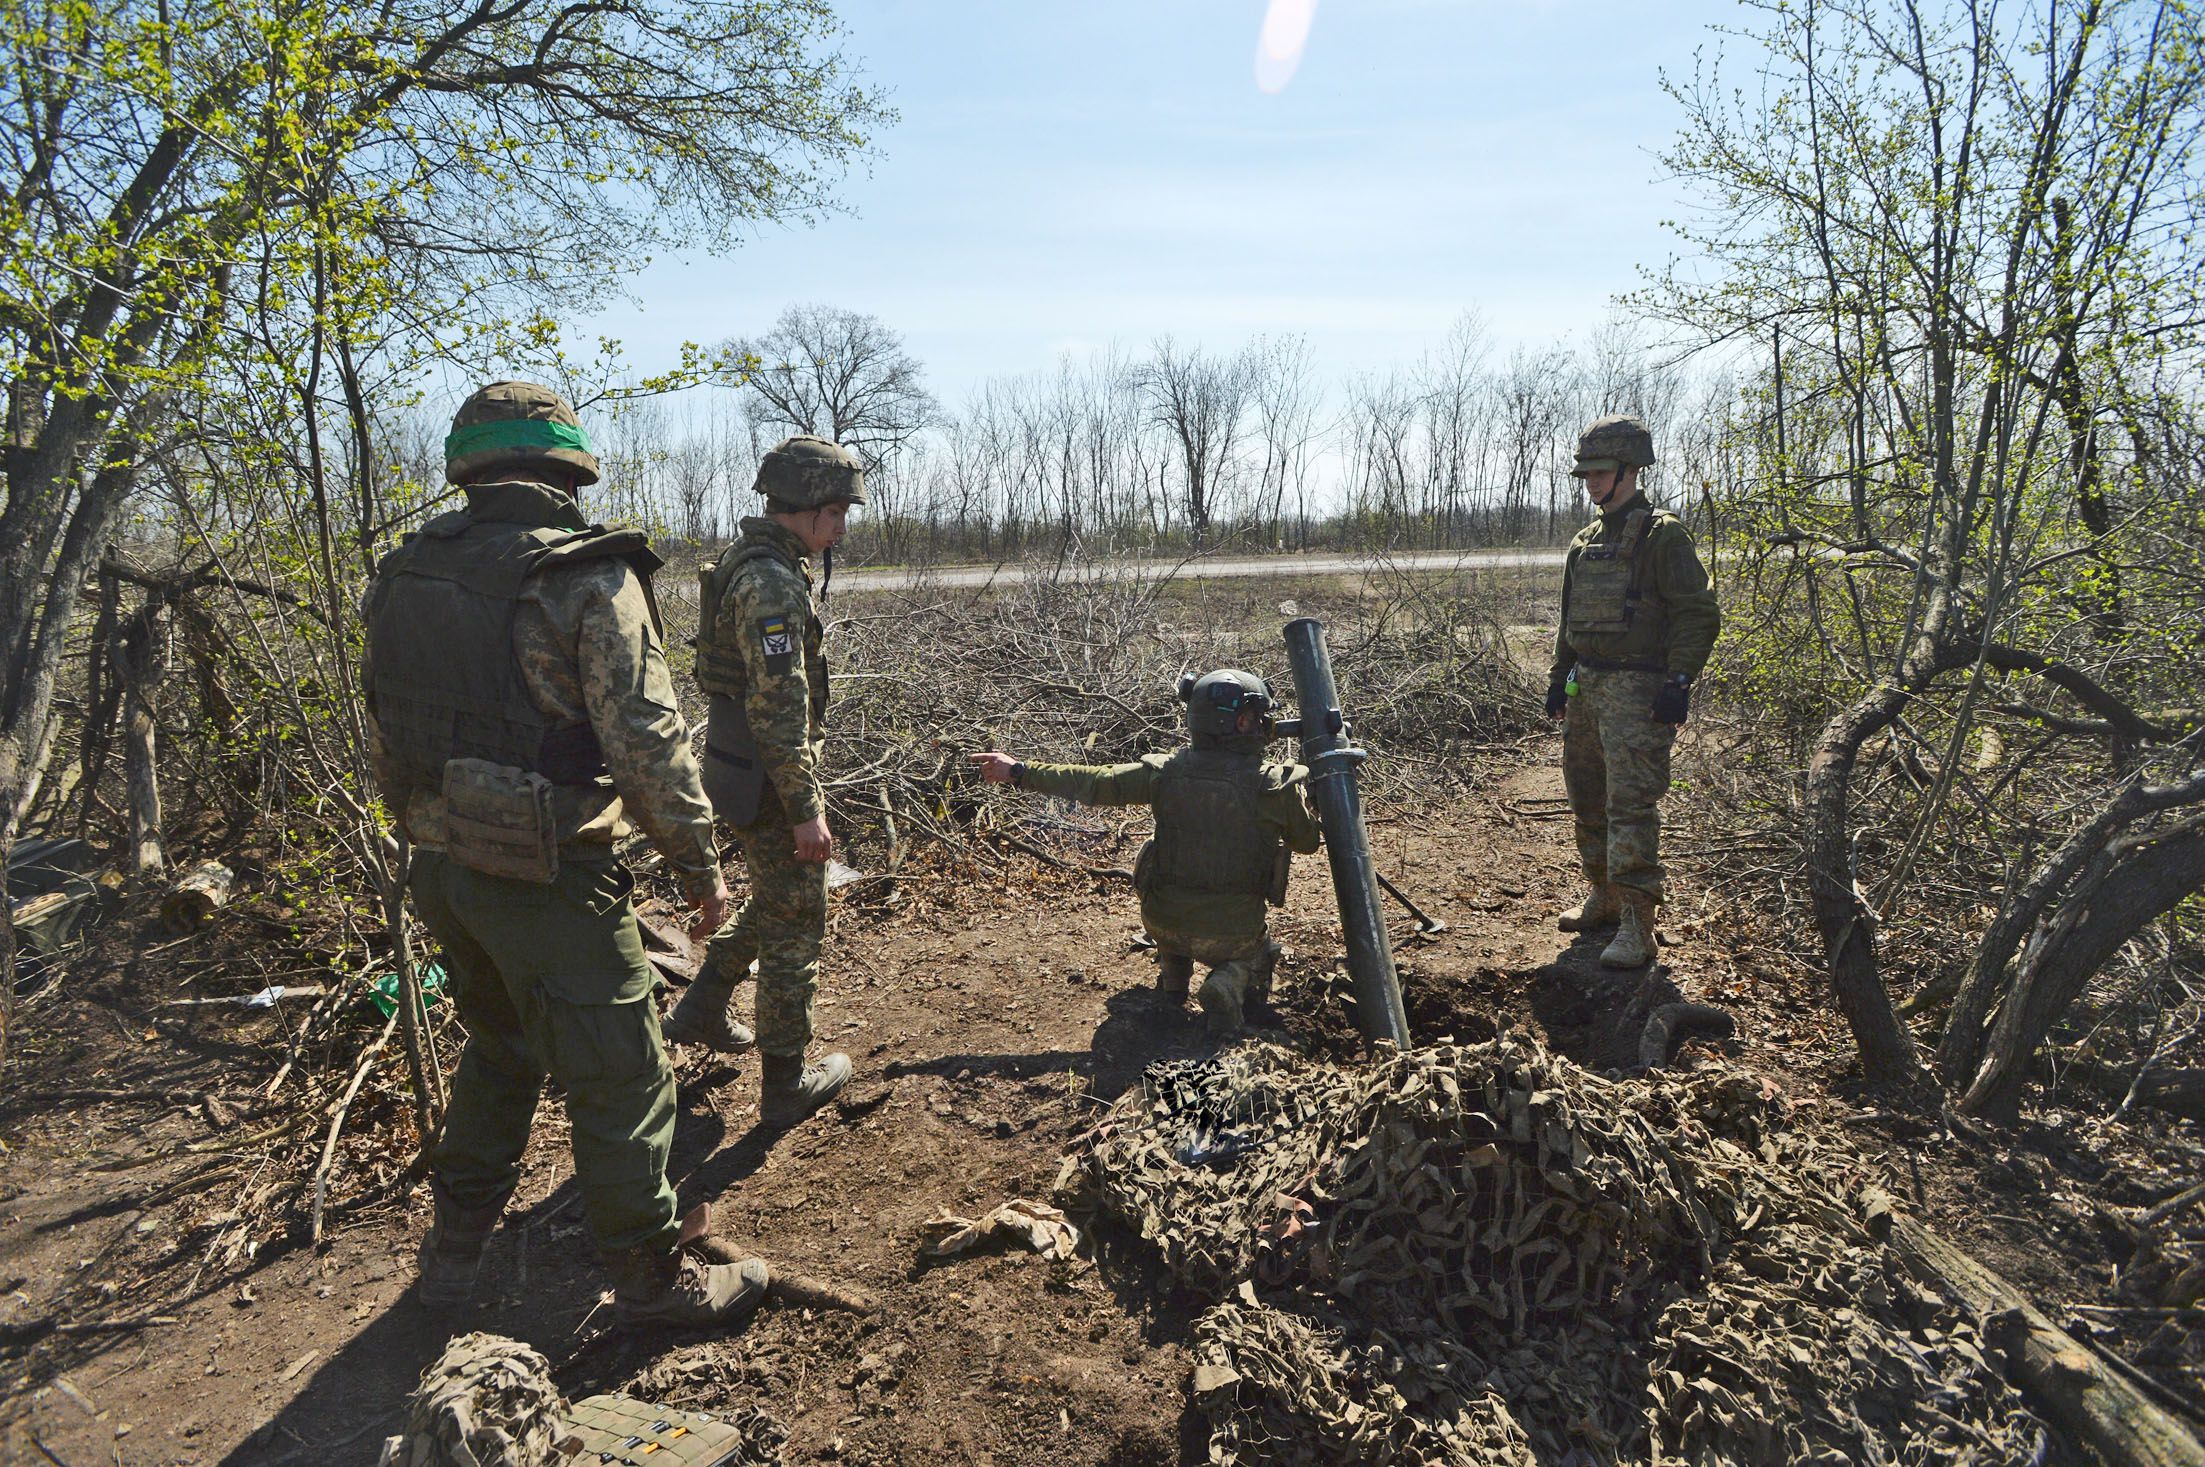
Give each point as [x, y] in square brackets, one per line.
[137, 662]
[1960, 1052]
[2059, 1376]
[2144, 881]
[1887, 1051]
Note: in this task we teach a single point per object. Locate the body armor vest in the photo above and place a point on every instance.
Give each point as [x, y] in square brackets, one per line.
[734, 775]
[1210, 835]
[1607, 580]
[446, 684]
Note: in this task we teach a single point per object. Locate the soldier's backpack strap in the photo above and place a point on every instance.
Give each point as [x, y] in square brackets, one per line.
[1636, 532]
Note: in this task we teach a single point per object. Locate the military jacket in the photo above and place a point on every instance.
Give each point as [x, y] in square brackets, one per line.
[1634, 593]
[592, 663]
[1214, 894]
[760, 658]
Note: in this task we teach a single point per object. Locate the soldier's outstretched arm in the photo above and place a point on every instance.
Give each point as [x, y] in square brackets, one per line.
[1092, 784]
[630, 697]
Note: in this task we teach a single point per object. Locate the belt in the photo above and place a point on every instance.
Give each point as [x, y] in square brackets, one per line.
[1604, 664]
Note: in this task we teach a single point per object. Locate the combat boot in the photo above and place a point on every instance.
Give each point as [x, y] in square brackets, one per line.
[1633, 946]
[790, 1090]
[1222, 995]
[1174, 975]
[702, 1017]
[1600, 908]
[451, 1253]
[675, 1286]
[1259, 976]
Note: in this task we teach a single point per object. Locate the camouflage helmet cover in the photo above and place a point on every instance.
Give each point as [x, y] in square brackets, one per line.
[1614, 442]
[509, 425]
[1216, 700]
[806, 472]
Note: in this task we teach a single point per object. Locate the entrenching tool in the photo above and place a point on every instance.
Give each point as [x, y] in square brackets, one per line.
[1332, 762]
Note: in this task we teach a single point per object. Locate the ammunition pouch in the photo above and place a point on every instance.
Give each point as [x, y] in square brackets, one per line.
[498, 821]
[734, 775]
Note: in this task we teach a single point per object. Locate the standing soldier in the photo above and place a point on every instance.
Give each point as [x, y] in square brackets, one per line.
[523, 717]
[1638, 622]
[1227, 825]
[760, 664]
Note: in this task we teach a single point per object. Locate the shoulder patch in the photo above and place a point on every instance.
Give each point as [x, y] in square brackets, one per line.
[777, 640]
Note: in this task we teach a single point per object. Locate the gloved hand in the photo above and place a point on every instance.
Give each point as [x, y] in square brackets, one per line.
[1673, 702]
[1558, 698]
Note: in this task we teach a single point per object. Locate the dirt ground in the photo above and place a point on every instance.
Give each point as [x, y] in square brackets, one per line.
[991, 1019]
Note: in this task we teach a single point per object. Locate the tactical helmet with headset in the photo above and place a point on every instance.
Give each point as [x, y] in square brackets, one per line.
[1216, 700]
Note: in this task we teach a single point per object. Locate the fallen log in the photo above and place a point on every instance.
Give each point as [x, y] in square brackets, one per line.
[192, 902]
[2062, 1380]
[2177, 1092]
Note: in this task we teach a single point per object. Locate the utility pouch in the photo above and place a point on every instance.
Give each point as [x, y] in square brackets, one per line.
[1144, 868]
[498, 821]
[1282, 866]
[734, 775]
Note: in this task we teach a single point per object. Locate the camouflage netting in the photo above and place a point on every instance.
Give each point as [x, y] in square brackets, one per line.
[487, 1402]
[1482, 1253]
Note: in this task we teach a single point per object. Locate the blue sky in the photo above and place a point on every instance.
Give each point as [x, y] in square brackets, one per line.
[1068, 175]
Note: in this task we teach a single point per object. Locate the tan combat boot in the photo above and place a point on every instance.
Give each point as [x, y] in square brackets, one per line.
[1223, 996]
[451, 1254]
[1599, 909]
[790, 1090]
[677, 1286]
[1633, 946]
[702, 1017]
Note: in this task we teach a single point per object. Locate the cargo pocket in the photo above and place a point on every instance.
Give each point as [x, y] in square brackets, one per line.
[597, 1029]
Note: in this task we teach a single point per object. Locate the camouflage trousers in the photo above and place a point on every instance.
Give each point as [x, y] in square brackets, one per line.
[1615, 765]
[1236, 963]
[552, 980]
[780, 927]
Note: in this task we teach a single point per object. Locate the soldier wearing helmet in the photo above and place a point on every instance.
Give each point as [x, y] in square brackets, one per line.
[1227, 824]
[760, 664]
[1638, 621]
[524, 720]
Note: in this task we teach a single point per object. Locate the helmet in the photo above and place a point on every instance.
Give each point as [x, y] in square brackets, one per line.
[1612, 443]
[1216, 701]
[515, 425]
[805, 472]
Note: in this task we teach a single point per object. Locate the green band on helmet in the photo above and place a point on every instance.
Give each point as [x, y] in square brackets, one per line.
[514, 433]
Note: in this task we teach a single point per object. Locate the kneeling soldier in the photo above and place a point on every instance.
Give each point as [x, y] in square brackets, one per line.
[1226, 825]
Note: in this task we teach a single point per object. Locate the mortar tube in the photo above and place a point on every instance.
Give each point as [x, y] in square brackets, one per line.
[1333, 789]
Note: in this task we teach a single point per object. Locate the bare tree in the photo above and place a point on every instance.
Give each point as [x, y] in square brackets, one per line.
[1201, 401]
[839, 375]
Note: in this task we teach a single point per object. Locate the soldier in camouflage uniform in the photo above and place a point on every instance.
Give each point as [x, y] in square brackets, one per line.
[1638, 622]
[1226, 825]
[523, 720]
[760, 664]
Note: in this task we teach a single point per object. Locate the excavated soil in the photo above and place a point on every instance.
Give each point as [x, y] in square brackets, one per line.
[992, 1018]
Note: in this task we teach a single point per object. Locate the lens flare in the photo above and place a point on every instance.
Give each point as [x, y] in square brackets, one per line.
[1280, 43]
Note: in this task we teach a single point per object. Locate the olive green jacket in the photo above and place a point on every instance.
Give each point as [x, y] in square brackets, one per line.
[1214, 916]
[1675, 618]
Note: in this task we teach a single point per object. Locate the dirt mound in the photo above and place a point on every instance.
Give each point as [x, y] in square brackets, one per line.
[1482, 1253]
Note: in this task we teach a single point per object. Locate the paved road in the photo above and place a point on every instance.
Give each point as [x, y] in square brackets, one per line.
[1204, 569]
